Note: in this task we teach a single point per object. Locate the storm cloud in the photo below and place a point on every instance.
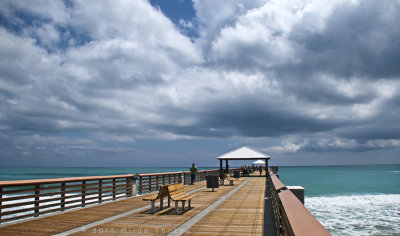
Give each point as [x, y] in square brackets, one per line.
[79, 79]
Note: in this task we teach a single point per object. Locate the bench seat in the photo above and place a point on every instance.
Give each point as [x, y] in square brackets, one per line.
[178, 194]
[162, 193]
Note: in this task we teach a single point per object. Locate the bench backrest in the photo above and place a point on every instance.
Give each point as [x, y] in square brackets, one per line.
[175, 188]
[227, 176]
[163, 191]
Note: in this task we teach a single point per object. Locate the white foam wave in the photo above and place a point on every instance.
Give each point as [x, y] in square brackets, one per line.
[358, 214]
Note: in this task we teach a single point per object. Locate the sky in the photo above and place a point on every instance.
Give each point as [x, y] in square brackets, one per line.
[170, 82]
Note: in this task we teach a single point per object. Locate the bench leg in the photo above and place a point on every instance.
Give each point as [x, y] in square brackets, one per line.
[169, 201]
[231, 182]
[183, 205]
[161, 203]
[152, 207]
[176, 207]
[190, 201]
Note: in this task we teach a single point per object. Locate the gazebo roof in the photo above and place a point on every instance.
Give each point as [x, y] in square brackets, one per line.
[243, 153]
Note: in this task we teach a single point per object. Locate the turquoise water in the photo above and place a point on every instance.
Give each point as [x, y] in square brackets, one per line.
[317, 180]
[344, 180]
[351, 200]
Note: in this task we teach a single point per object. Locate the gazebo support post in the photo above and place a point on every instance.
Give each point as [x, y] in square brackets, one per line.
[226, 167]
[220, 168]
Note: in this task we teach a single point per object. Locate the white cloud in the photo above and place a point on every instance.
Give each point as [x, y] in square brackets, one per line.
[288, 145]
[259, 68]
[383, 143]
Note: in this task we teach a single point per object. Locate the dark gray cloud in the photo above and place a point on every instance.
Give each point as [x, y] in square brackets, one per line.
[356, 40]
[97, 79]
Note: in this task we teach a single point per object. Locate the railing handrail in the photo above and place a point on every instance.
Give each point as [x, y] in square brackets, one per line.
[188, 171]
[164, 173]
[150, 182]
[292, 217]
[301, 221]
[172, 173]
[11, 183]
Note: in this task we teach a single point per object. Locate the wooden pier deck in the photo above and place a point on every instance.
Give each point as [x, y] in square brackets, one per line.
[230, 210]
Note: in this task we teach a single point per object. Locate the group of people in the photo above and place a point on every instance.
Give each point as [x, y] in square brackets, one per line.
[246, 170]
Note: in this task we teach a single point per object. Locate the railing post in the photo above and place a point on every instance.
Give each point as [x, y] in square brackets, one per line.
[157, 179]
[129, 182]
[100, 190]
[140, 185]
[62, 196]
[149, 183]
[83, 203]
[37, 197]
[114, 188]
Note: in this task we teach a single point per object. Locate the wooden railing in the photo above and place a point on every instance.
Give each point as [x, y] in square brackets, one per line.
[30, 198]
[200, 176]
[291, 216]
[151, 182]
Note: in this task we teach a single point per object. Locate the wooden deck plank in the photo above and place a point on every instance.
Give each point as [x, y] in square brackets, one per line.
[162, 222]
[48, 225]
[242, 213]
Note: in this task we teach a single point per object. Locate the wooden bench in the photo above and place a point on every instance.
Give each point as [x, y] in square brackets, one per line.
[162, 193]
[227, 177]
[178, 194]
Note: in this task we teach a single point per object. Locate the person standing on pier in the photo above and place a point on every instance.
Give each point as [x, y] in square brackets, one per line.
[260, 169]
[193, 171]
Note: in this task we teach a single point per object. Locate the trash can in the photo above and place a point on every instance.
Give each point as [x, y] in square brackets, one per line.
[236, 174]
[212, 181]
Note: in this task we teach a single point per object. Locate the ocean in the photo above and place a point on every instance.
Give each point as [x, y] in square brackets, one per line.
[21, 173]
[347, 200]
[350, 200]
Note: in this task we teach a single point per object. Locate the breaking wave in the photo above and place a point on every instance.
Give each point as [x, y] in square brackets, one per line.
[377, 214]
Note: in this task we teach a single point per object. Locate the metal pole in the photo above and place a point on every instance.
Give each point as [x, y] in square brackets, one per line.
[220, 168]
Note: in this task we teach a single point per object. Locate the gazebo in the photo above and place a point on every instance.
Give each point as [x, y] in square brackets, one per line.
[243, 153]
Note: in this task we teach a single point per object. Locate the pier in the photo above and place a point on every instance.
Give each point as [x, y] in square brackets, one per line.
[242, 203]
[230, 210]
[241, 211]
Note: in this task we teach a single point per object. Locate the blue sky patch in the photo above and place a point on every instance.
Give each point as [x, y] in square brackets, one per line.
[181, 13]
